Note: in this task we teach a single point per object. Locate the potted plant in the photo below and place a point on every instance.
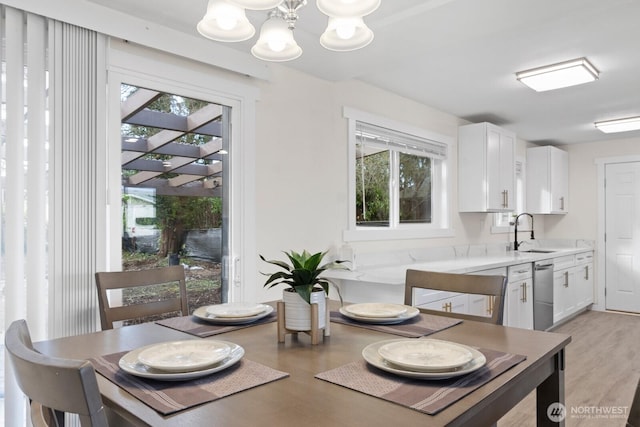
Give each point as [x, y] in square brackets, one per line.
[305, 286]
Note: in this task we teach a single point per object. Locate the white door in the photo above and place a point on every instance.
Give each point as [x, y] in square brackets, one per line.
[622, 236]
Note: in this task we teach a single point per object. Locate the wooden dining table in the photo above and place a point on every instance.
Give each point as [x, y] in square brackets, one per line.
[300, 399]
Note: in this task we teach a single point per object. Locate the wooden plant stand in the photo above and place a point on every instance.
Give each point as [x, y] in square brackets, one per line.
[316, 332]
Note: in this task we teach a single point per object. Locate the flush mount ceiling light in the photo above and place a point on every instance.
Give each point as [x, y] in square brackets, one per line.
[226, 21]
[619, 125]
[556, 76]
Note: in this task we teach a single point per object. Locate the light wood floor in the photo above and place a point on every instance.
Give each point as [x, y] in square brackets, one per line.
[602, 369]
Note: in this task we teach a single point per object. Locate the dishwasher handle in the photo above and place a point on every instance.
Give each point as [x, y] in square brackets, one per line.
[543, 266]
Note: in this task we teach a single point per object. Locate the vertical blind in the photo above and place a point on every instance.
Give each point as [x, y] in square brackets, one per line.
[52, 184]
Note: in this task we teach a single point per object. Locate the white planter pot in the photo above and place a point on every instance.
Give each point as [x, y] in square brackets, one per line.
[297, 312]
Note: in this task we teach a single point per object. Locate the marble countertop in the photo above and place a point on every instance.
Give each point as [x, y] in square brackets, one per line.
[394, 274]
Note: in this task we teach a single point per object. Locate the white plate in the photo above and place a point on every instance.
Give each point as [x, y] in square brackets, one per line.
[201, 313]
[371, 355]
[426, 355]
[184, 356]
[376, 309]
[410, 313]
[236, 309]
[130, 364]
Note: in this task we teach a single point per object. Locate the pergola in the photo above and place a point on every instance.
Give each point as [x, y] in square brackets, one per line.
[163, 163]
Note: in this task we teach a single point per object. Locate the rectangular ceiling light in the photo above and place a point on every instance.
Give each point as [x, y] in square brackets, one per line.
[619, 125]
[556, 76]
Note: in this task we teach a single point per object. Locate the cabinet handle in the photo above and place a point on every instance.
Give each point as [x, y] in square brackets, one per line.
[566, 279]
[586, 272]
[562, 203]
[490, 305]
[505, 198]
[446, 307]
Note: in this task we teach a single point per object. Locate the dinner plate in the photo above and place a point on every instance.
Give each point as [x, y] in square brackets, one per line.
[409, 314]
[236, 309]
[376, 309]
[201, 313]
[184, 356]
[371, 355]
[426, 355]
[130, 364]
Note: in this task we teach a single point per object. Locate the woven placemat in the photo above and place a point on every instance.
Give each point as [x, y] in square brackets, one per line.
[200, 328]
[168, 397]
[428, 396]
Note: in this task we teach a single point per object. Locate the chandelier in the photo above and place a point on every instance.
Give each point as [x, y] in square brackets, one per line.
[226, 21]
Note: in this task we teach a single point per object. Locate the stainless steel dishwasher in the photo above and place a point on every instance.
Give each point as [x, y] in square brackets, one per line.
[543, 295]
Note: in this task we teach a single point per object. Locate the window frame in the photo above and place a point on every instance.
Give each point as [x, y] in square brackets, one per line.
[440, 225]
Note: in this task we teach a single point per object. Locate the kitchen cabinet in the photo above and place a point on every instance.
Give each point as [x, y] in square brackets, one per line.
[572, 284]
[547, 180]
[483, 305]
[519, 297]
[583, 274]
[454, 302]
[486, 168]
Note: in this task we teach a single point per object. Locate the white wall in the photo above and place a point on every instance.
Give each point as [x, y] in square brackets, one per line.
[582, 219]
[301, 170]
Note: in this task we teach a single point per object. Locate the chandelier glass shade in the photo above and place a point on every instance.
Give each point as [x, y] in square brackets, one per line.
[276, 42]
[345, 34]
[346, 8]
[226, 21]
[257, 4]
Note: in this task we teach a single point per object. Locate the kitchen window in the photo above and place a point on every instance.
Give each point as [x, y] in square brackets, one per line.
[398, 187]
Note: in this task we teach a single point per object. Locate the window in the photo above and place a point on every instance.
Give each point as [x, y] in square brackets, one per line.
[398, 185]
[503, 221]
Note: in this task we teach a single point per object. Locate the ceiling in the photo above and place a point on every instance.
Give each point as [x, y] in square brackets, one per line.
[460, 56]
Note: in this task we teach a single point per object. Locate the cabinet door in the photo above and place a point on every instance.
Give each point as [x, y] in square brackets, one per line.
[526, 308]
[583, 275]
[559, 181]
[519, 304]
[479, 305]
[500, 169]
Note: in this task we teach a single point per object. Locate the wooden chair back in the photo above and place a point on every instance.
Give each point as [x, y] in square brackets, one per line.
[54, 386]
[492, 286]
[113, 280]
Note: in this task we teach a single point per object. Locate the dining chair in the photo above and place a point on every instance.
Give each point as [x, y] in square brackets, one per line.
[121, 280]
[54, 386]
[492, 286]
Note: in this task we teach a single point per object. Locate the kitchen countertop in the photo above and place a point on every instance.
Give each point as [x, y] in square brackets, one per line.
[395, 274]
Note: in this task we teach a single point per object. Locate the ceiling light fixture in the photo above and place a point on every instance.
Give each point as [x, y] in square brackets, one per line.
[619, 125]
[226, 21]
[556, 76]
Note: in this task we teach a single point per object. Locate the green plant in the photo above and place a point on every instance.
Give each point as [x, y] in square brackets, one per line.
[302, 274]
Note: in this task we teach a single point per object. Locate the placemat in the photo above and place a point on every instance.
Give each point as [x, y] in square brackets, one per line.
[428, 396]
[194, 326]
[168, 397]
[419, 326]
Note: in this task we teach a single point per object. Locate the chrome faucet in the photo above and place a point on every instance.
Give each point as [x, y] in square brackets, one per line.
[515, 231]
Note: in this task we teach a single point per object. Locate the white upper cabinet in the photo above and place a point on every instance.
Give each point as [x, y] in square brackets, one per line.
[547, 180]
[486, 168]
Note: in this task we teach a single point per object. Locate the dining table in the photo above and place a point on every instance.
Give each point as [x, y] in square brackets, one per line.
[304, 395]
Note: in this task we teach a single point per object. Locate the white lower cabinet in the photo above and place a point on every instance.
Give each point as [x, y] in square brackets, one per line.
[454, 303]
[583, 274]
[518, 310]
[572, 284]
